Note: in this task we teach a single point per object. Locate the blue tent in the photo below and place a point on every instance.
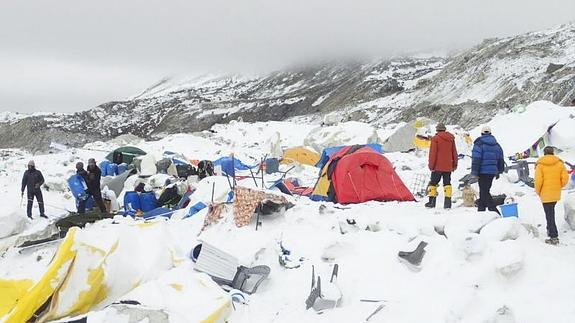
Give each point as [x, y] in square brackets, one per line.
[332, 150]
[230, 165]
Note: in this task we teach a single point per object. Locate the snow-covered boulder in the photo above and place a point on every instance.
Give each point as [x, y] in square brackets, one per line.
[502, 229]
[509, 258]
[569, 205]
[473, 246]
[12, 221]
[347, 133]
[458, 227]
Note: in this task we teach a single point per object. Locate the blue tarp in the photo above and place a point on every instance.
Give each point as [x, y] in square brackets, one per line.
[332, 150]
[229, 165]
[160, 211]
[177, 159]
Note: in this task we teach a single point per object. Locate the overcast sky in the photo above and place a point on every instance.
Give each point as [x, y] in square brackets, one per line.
[68, 55]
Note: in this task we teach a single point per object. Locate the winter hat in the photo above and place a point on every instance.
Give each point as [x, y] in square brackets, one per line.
[549, 150]
[440, 127]
[31, 163]
[91, 161]
[79, 165]
[486, 129]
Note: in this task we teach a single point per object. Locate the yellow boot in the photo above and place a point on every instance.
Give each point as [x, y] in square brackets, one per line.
[448, 190]
[432, 193]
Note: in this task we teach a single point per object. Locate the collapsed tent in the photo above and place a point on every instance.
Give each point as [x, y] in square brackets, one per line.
[409, 136]
[229, 165]
[357, 174]
[91, 271]
[212, 189]
[300, 155]
[539, 124]
[128, 153]
[115, 184]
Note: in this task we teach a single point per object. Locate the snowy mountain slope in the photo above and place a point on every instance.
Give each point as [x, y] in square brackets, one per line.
[466, 89]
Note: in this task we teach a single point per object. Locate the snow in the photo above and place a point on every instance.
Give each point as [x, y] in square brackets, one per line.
[478, 267]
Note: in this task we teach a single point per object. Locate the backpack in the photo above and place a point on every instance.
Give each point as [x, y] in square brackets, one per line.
[185, 170]
[205, 169]
[117, 157]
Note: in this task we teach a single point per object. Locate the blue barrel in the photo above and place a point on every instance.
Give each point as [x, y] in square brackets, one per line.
[148, 201]
[112, 169]
[132, 202]
[89, 203]
[122, 168]
[77, 187]
[104, 167]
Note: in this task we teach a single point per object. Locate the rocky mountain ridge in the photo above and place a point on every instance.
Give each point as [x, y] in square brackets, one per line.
[465, 89]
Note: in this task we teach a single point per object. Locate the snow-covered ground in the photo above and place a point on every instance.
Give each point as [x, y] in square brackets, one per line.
[477, 267]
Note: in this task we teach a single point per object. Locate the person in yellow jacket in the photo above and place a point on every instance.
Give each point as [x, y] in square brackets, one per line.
[550, 177]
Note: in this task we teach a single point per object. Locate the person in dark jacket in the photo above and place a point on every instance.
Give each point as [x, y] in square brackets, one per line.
[487, 163]
[92, 178]
[442, 161]
[33, 180]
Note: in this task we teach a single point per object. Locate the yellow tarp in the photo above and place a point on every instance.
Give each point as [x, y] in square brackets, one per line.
[322, 185]
[25, 307]
[421, 142]
[301, 155]
[10, 293]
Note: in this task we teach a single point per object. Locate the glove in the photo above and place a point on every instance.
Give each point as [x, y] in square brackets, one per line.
[497, 176]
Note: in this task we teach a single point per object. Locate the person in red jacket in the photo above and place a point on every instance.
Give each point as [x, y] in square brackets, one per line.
[442, 161]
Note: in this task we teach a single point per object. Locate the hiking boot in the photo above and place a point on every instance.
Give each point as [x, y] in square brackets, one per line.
[43, 216]
[431, 203]
[414, 258]
[552, 241]
[447, 203]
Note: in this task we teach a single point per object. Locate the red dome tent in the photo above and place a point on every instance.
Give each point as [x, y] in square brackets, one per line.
[358, 174]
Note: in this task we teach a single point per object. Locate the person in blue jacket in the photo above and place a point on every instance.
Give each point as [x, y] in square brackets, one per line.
[487, 163]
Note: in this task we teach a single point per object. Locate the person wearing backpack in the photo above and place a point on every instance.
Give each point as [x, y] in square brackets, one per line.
[442, 162]
[92, 178]
[33, 181]
[550, 177]
[487, 164]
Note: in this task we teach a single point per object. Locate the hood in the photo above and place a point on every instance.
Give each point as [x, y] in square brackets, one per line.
[549, 160]
[444, 135]
[486, 139]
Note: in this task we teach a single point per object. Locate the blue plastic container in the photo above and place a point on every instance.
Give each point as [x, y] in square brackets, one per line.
[148, 201]
[89, 203]
[509, 210]
[112, 169]
[123, 167]
[132, 202]
[104, 167]
[77, 187]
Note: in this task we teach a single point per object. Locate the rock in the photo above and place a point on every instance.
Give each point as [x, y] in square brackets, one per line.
[509, 258]
[504, 315]
[569, 206]
[531, 229]
[12, 221]
[459, 227]
[502, 229]
[473, 246]
[552, 68]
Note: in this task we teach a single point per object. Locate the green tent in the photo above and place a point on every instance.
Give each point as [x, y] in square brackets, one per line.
[128, 153]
